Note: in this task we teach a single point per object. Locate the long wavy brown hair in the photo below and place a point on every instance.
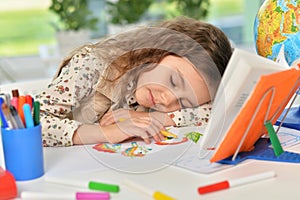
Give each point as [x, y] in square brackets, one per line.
[130, 53]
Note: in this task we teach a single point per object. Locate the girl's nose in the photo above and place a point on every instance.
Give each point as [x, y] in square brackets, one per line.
[168, 98]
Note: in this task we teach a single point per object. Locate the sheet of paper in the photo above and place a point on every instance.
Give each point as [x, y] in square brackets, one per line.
[193, 162]
[288, 137]
[133, 156]
[138, 157]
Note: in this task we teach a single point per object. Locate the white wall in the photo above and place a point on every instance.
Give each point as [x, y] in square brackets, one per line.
[26, 68]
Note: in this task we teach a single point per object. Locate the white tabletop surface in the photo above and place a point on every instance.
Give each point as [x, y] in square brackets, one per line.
[176, 182]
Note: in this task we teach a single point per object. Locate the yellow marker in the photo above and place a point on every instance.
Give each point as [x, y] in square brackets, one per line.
[168, 134]
[155, 194]
[160, 196]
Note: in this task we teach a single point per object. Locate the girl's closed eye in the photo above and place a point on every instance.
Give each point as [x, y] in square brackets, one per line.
[175, 80]
[172, 80]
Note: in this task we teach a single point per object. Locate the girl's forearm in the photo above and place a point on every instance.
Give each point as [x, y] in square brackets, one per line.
[88, 134]
[92, 134]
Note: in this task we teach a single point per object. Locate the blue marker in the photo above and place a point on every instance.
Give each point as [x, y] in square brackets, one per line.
[1, 101]
[28, 116]
[2, 118]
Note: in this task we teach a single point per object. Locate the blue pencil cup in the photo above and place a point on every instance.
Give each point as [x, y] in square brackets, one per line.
[23, 152]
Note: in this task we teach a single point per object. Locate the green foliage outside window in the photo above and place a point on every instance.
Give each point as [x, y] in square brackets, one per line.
[73, 15]
[22, 31]
[131, 11]
[127, 11]
[197, 9]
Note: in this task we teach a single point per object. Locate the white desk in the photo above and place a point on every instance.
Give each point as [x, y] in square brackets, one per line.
[180, 183]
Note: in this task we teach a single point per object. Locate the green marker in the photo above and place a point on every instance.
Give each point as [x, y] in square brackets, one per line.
[36, 113]
[92, 185]
[274, 139]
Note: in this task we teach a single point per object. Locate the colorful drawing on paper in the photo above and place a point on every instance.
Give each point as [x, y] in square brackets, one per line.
[107, 147]
[132, 149]
[140, 149]
[136, 150]
[172, 141]
[194, 136]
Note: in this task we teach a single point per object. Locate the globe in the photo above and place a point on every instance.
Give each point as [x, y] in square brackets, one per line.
[277, 24]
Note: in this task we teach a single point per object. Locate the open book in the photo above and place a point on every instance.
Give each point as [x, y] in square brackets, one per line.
[253, 90]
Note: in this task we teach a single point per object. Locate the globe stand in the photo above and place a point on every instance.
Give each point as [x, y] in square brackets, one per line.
[290, 117]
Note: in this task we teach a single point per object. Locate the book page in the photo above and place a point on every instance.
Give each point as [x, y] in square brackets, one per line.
[241, 75]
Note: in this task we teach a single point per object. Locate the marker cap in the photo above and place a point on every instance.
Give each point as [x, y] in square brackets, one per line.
[8, 187]
[103, 187]
[214, 187]
[15, 93]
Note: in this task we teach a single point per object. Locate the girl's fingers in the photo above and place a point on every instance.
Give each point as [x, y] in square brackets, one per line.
[157, 138]
[147, 140]
[161, 137]
[153, 129]
[159, 126]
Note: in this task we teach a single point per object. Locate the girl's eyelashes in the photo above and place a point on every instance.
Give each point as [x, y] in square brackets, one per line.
[172, 81]
[183, 103]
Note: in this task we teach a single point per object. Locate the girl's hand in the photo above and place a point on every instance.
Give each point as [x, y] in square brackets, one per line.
[120, 115]
[143, 127]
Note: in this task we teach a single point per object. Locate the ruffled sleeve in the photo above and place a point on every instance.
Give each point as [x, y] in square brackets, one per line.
[64, 94]
[197, 116]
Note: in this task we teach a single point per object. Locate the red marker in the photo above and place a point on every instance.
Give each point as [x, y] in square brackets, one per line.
[236, 182]
[28, 100]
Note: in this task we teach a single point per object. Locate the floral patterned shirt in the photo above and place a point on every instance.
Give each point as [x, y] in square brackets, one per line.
[69, 101]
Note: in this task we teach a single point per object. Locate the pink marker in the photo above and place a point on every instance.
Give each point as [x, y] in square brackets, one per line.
[14, 102]
[92, 195]
[65, 195]
[15, 98]
[236, 182]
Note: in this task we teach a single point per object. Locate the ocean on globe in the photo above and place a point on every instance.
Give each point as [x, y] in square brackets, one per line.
[277, 23]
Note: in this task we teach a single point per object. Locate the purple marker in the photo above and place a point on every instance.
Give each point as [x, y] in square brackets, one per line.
[92, 195]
